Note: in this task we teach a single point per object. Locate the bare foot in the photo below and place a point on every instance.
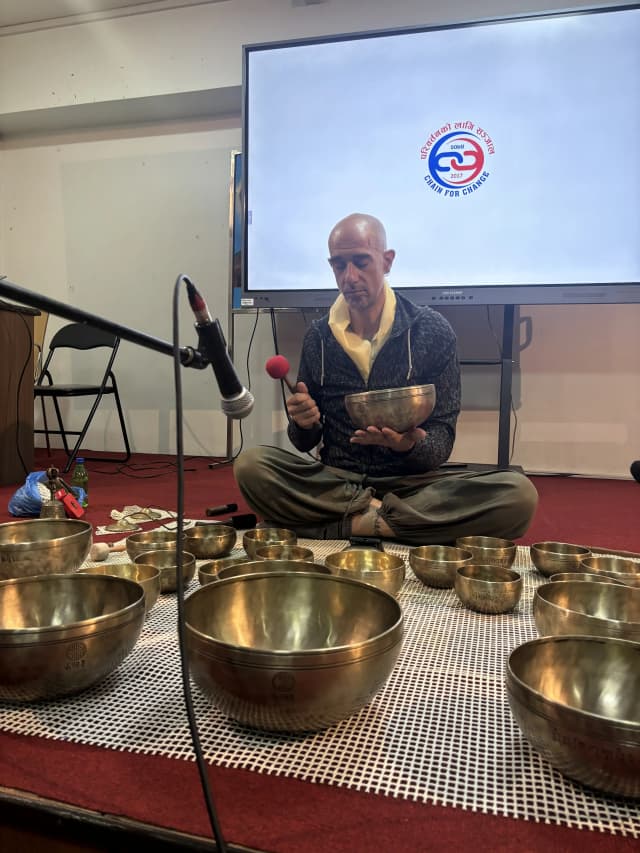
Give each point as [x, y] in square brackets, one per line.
[370, 523]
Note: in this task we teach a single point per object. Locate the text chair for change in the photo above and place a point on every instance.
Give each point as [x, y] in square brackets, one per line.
[79, 337]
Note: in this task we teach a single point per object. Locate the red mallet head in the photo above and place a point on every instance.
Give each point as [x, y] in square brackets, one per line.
[278, 367]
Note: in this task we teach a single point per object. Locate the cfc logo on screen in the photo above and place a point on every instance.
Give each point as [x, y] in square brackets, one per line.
[457, 156]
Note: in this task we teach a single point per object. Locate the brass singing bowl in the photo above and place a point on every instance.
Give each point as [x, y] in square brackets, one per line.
[593, 609]
[291, 651]
[436, 565]
[150, 540]
[210, 541]
[585, 577]
[488, 589]
[489, 550]
[253, 567]
[386, 571]
[400, 409]
[620, 569]
[575, 698]
[42, 546]
[284, 552]
[167, 564]
[60, 634]
[551, 558]
[210, 571]
[147, 576]
[261, 536]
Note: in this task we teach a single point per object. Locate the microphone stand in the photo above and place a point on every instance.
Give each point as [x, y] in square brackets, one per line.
[189, 356]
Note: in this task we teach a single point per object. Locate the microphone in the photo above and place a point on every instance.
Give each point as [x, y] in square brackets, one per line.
[237, 401]
[278, 368]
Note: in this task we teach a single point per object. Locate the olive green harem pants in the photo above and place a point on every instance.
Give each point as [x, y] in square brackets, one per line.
[437, 507]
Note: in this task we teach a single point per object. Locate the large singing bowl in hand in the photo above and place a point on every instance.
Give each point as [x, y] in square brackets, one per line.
[400, 409]
[291, 651]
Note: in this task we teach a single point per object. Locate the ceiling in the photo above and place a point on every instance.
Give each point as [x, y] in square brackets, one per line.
[32, 14]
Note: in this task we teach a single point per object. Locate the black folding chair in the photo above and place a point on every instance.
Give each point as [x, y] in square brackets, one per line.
[79, 336]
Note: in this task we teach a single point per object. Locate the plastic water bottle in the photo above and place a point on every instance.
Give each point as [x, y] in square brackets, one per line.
[80, 478]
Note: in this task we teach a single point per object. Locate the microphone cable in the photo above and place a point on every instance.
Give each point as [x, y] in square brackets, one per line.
[184, 663]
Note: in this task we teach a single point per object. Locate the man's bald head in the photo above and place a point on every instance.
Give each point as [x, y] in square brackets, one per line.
[358, 229]
[359, 258]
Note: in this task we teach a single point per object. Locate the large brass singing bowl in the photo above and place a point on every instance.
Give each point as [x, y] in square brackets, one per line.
[60, 634]
[576, 702]
[489, 550]
[210, 541]
[386, 571]
[291, 651]
[436, 565]
[41, 546]
[593, 609]
[400, 409]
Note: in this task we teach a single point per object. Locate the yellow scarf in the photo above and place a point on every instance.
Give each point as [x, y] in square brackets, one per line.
[360, 351]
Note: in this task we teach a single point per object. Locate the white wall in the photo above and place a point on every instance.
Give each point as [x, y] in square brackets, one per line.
[107, 218]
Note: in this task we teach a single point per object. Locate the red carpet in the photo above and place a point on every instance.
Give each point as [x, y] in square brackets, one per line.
[571, 509]
[147, 481]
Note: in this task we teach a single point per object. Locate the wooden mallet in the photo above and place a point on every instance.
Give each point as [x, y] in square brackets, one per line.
[101, 550]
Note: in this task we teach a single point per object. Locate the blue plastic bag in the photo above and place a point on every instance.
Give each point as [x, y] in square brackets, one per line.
[27, 500]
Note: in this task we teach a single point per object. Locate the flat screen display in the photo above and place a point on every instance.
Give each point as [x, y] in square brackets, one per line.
[500, 155]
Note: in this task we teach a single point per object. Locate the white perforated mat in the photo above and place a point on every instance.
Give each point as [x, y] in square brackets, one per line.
[439, 731]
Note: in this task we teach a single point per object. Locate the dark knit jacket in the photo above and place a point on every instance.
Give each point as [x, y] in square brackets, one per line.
[329, 374]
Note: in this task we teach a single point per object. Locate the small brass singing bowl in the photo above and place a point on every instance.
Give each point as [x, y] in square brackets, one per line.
[210, 541]
[488, 589]
[584, 577]
[591, 609]
[167, 563]
[436, 565]
[379, 568]
[210, 571]
[150, 540]
[260, 566]
[284, 552]
[147, 576]
[261, 536]
[551, 558]
[489, 550]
